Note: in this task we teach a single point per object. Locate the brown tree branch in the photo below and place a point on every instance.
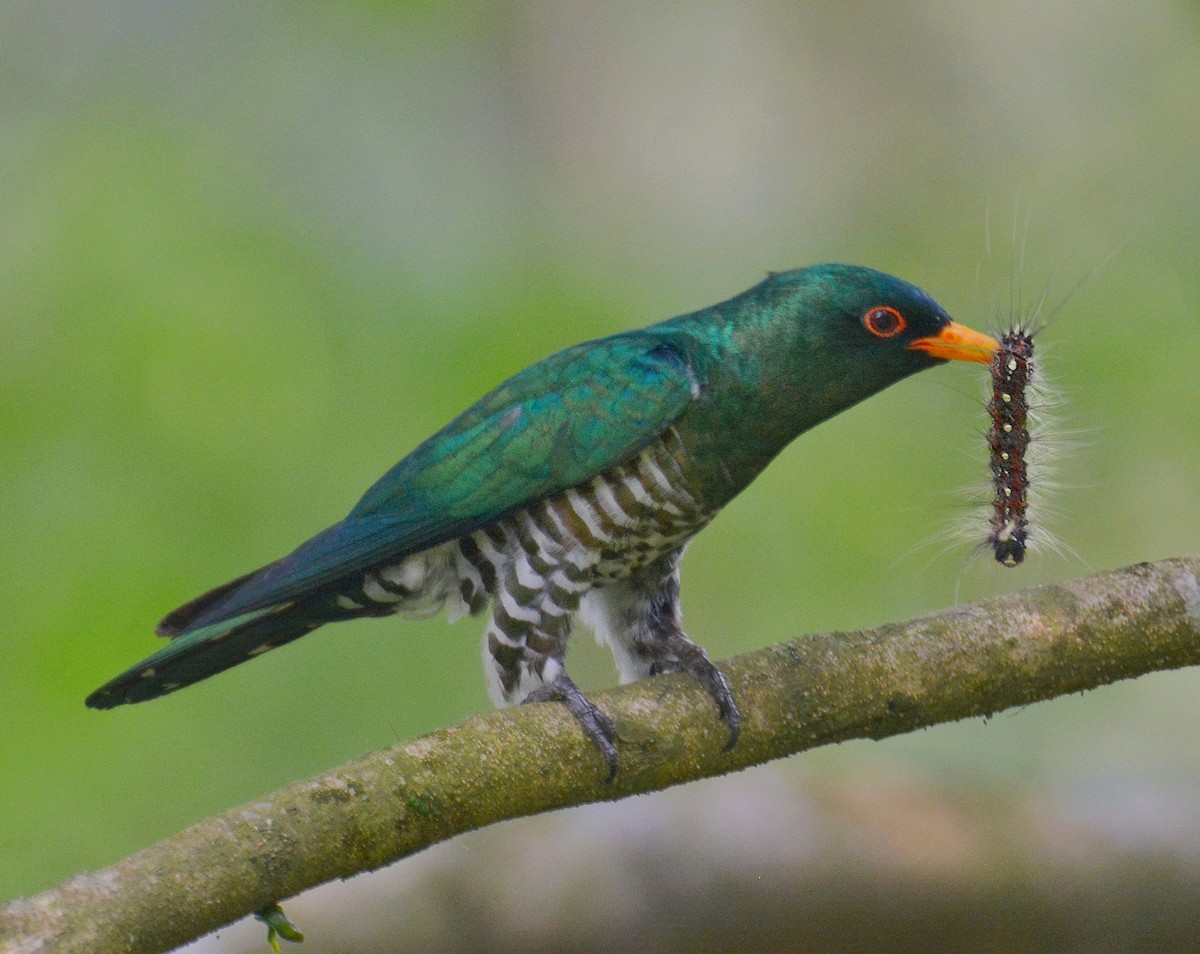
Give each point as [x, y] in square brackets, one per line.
[972, 661]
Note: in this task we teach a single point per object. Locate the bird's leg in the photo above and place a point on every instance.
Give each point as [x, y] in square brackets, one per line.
[595, 724]
[640, 619]
[524, 647]
[665, 640]
[693, 660]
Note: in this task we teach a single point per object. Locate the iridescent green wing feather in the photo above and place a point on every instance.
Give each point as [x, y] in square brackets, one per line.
[554, 425]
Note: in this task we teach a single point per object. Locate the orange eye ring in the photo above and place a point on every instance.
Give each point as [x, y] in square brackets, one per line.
[884, 322]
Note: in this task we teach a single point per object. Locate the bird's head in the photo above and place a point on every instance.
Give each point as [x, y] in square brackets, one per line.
[861, 330]
[804, 345]
[882, 320]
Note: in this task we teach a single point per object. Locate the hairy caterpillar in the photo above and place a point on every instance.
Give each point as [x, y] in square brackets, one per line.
[1008, 445]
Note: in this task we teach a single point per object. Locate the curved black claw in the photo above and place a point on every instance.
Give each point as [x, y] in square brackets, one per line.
[712, 679]
[694, 661]
[595, 724]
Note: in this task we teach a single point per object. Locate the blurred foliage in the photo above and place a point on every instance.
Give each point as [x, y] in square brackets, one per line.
[251, 255]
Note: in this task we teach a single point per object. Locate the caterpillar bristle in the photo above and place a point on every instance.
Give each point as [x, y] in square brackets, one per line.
[1008, 444]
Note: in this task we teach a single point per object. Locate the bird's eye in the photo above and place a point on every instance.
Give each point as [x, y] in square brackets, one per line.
[884, 322]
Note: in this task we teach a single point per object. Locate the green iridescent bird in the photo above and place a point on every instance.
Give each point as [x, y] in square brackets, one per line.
[572, 489]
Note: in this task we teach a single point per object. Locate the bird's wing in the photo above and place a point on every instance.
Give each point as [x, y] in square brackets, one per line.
[554, 425]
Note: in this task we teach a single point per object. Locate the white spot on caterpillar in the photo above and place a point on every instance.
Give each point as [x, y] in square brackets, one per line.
[260, 649]
[348, 604]
[1008, 441]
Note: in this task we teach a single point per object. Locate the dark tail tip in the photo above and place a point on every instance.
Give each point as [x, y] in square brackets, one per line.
[103, 699]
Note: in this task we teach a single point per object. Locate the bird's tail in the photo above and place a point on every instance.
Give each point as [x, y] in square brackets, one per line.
[205, 652]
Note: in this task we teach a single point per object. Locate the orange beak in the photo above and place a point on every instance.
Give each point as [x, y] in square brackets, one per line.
[957, 342]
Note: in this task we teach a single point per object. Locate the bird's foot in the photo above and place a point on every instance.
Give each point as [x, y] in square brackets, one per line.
[694, 661]
[595, 724]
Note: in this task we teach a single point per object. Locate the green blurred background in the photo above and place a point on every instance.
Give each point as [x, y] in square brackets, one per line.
[252, 254]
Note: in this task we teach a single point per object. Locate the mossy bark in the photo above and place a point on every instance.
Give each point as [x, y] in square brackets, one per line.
[971, 661]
